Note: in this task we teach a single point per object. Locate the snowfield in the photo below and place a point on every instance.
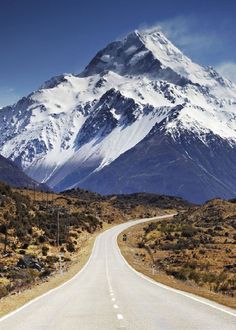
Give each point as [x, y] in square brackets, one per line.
[83, 123]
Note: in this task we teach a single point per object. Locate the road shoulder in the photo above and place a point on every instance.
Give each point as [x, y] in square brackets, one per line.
[12, 302]
[129, 250]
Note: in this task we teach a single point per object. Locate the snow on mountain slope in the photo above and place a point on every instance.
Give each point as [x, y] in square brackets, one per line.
[149, 52]
[45, 126]
[74, 126]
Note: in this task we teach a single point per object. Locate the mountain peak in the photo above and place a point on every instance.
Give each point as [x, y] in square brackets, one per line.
[149, 53]
[137, 92]
[154, 32]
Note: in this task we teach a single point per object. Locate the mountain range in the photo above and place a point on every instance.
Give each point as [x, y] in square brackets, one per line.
[11, 174]
[141, 117]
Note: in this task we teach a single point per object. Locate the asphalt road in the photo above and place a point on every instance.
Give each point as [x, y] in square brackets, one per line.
[108, 294]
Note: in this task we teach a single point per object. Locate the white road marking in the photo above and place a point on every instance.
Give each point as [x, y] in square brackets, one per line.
[55, 289]
[169, 288]
[97, 242]
[60, 286]
[111, 294]
[115, 306]
[113, 299]
[120, 316]
[107, 273]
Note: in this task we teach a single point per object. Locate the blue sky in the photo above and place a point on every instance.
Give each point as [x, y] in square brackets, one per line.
[43, 38]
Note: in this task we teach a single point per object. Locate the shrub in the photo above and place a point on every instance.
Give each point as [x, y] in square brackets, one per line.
[41, 239]
[195, 276]
[45, 250]
[70, 247]
[189, 231]
[45, 273]
[52, 259]
[179, 274]
[25, 246]
[141, 245]
[3, 229]
[3, 291]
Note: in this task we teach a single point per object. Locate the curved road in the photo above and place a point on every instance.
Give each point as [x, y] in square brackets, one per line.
[108, 294]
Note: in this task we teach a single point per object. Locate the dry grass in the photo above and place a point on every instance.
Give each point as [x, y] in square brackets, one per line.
[12, 302]
[28, 224]
[140, 259]
[32, 229]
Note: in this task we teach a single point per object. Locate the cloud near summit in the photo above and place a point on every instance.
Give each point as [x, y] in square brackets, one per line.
[197, 43]
[182, 32]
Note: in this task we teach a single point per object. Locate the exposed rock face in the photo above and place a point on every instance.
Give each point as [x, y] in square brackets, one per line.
[140, 117]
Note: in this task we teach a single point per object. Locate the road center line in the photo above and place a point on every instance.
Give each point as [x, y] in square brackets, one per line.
[120, 316]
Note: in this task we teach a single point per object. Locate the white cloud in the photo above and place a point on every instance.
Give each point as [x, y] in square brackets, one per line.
[183, 31]
[227, 70]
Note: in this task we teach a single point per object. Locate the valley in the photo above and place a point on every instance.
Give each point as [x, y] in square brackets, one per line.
[41, 233]
[117, 165]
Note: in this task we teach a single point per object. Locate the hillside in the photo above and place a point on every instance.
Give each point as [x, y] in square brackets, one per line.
[29, 243]
[194, 251]
[11, 174]
[131, 201]
[157, 165]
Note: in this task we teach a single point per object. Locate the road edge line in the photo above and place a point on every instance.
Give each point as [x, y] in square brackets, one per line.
[166, 287]
[54, 289]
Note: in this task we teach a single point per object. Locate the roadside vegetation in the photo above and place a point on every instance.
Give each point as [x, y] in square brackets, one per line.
[196, 247]
[40, 231]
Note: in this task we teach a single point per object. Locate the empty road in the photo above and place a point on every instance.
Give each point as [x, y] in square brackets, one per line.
[107, 294]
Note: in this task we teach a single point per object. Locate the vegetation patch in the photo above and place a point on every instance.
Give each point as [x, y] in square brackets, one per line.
[40, 232]
[196, 247]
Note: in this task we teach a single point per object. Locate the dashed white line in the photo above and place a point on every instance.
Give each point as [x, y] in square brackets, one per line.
[115, 306]
[113, 299]
[120, 316]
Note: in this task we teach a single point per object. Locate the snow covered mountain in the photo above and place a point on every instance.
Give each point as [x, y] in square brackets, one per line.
[140, 117]
[14, 176]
